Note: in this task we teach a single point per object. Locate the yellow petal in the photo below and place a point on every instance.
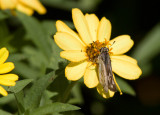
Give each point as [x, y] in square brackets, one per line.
[62, 27]
[6, 67]
[125, 58]
[34, 4]
[126, 69]
[90, 76]
[3, 91]
[7, 4]
[103, 93]
[118, 88]
[68, 42]
[12, 77]
[24, 9]
[104, 30]
[93, 23]
[81, 26]
[74, 71]
[121, 44]
[3, 55]
[7, 82]
[74, 56]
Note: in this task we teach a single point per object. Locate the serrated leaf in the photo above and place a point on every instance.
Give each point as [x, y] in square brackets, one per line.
[54, 108]
[125, 87]
[36, 33]
[2, 112]
[19, 85]
[34, 94]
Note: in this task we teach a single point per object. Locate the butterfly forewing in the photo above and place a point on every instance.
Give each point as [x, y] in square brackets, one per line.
[102, 73]
[105, 71]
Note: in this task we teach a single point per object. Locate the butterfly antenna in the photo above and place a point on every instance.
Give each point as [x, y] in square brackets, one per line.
[112, 43]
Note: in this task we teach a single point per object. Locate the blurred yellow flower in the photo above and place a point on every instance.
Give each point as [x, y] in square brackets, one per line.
[83, 48]
[6, 79]
[25, 6]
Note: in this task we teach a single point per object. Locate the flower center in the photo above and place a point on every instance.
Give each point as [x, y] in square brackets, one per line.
[93, 50]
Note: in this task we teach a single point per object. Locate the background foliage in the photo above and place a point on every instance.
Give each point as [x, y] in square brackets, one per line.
[42, 86]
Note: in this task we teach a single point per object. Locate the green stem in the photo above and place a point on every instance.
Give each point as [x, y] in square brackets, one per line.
[67, 91]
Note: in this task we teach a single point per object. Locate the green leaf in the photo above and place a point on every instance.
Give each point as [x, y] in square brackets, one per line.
[77, 95]
[19, 93]
[16, 57]
[3, 15]
[5, 36]
[25, 70]
[149, 47]
[125, 87]
[18, 35]
[69, 4]
[33, 95]
[51, 94]
[36, 33]
[34, 55]
[19, 85]
[54, 108]
[3, 30]
[46, 98]
[2, 112]
[60, 83]
[5, 43]
[6, 99]
[50, 29]
[20, 101]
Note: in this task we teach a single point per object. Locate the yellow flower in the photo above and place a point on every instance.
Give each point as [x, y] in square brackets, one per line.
[25, 6]
[82, 49]
[6, 79]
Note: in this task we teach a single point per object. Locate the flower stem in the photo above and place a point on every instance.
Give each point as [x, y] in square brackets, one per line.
[67, 91]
